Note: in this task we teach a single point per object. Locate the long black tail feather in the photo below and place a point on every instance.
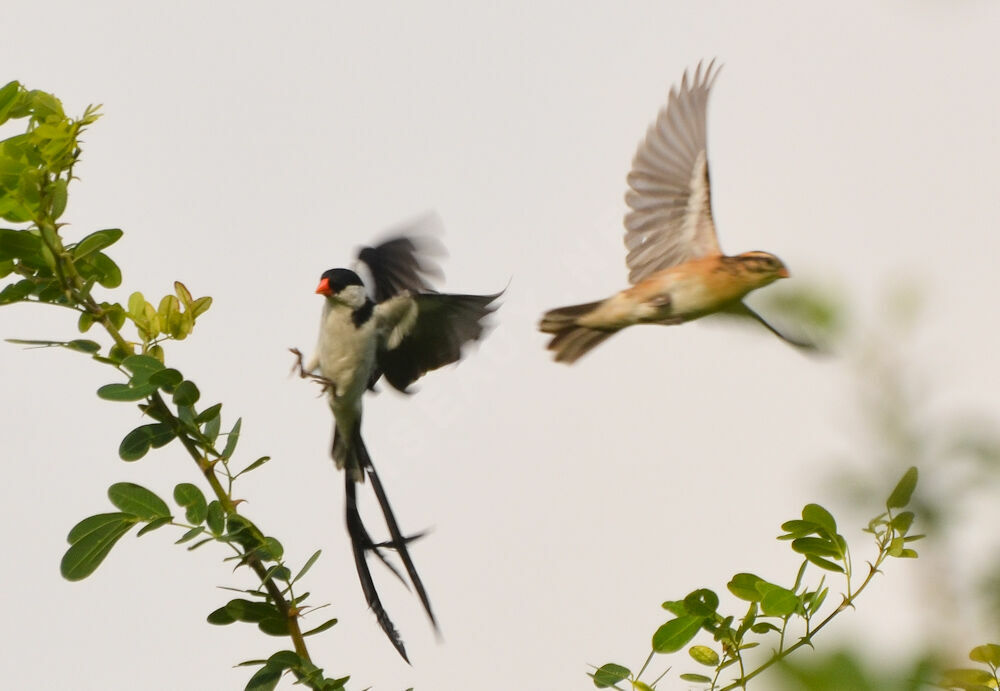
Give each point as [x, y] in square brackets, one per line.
[396, 537]
[362, 543]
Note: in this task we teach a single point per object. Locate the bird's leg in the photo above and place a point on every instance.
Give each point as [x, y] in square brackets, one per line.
[297, 366]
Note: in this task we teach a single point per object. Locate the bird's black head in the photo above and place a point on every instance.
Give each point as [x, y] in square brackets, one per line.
[335, 280]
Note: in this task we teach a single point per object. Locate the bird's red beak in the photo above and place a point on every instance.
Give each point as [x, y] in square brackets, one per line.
[782, 273]
[324, 287]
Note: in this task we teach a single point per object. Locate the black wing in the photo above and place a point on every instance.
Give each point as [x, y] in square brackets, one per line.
[443, 325]
[403, 263]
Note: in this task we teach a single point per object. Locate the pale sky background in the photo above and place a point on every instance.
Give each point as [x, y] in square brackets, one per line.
[245, 149]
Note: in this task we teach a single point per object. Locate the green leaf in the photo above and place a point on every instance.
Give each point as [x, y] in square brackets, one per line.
[215, 518]
[124, 392]
[137, 500]
[901, 523]
[900, 496]
[198, 544]
[80, 345]
[610, 674]
[824, 563]
[988, 654]
[308, 565]
[796, 528]
[137, 443]
[15, 292]
[676, 634]
[186, 393]
[266, 679]
[8, 99]
[211, 429]
[92, 523]
[814, 513]
[221, 617]
[59, 198]
[232, 439]
[208, 414]
[19, 244]
[169, 312]
[280, 572]
[967, 679]
[777, 601]
[101, 268]
[744, 586]
[142, 367]
[91, 541]
[166, 379]
[96, 241]
[329, 624]
[697, 678]
[200, 306]
[701, 603]
[636, 686]
[190, 535]
[256, 464]
[818, 546]
[274, 627]
[154, 524]
[193, 501]
[250, 611]
[704, 655]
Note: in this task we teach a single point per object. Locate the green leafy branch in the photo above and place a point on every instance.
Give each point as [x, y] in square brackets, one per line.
[772, 608]
[975, 678]
[36, 168]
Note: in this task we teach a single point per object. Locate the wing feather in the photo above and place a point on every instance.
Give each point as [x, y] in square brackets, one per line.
[403, 263]
[430, 333]
[670, 221]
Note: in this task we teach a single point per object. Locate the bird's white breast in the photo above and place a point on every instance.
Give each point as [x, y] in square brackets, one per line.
[346, 352]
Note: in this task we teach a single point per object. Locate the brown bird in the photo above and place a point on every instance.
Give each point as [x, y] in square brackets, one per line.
[676, 268]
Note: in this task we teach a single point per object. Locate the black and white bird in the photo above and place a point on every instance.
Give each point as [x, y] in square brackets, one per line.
[400, 331]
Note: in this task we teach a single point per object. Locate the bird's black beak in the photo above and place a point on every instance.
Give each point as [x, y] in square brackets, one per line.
[324, 287]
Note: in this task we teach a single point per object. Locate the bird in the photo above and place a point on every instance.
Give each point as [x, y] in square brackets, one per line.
[677, 270]
[398, 332]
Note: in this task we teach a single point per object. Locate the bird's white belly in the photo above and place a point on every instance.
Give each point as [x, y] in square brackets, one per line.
[346, 355]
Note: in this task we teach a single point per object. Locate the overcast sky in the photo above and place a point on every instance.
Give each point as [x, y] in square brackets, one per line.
[246, 149]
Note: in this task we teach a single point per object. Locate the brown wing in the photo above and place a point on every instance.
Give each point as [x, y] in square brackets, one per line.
[670, 196]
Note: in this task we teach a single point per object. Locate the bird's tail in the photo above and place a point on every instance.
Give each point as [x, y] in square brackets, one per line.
[346, 456]
[572, 341]
[362, 543]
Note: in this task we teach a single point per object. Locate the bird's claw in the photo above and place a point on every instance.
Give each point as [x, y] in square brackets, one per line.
[297, 366]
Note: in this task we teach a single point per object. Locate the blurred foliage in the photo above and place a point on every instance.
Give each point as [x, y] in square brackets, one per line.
[783, 618]
[844, 669]
[43, 267]
[959, 457]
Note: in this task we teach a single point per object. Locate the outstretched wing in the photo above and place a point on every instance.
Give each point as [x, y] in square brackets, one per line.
[427, 331]
[403, 263]
[670, 197]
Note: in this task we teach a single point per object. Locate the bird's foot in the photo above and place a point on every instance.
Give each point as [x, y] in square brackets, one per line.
[298, 367]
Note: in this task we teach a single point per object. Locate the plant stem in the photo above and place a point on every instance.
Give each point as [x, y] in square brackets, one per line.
[807, 639]
[77, 291]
